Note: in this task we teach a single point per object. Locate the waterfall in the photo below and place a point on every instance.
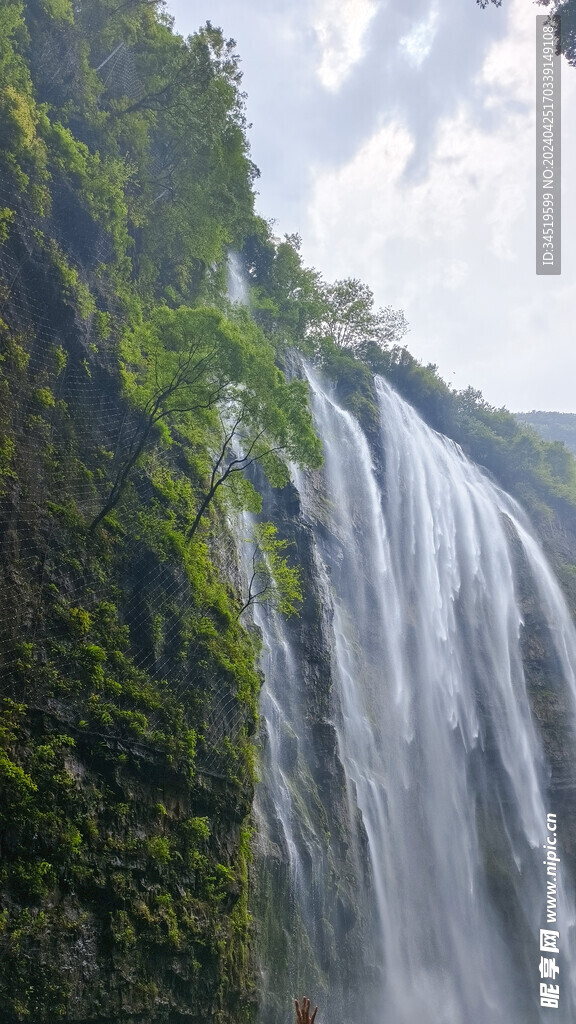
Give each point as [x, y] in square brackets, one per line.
[236, 280]
[404, 793]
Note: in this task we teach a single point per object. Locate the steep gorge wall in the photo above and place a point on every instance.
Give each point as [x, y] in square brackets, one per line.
[128, 690]
[126, 767]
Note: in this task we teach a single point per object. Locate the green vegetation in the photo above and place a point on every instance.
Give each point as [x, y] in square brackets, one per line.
[214, 384]
[271, 577]
[552, 426]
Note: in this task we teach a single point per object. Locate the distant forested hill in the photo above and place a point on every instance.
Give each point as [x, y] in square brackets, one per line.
[552, 426]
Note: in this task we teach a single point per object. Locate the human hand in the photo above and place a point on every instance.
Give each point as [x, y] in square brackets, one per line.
[303, 1011]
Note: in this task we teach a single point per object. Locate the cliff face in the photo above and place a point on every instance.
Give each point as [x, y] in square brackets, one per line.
[128, 686]
[126, 907]
[551, 700]
[126, 766]
[309, 839]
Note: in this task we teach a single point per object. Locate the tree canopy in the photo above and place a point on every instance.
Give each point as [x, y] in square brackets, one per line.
[348, 317]
[212, 384]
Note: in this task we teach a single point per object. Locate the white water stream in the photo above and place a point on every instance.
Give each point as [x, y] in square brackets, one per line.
[416, 571]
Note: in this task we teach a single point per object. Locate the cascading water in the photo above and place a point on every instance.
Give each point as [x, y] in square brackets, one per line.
[403, 802]
[237, 286]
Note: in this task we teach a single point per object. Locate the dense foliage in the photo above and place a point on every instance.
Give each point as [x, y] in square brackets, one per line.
[552, 426]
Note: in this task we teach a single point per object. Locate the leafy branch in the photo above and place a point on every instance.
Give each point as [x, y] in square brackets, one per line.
[272, 579]
[193, 371]
[188, 387]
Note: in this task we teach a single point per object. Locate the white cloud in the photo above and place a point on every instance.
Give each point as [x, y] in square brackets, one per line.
[510, 205]
[508, 70]
[455, 249]
[416, 45]
[456, 272]
[472, 183]
[476, 189]
[341, 27]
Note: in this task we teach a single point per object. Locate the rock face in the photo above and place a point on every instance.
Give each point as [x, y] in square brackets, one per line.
[121, 928]
[125, 715]
[308, 837]
[550, 699]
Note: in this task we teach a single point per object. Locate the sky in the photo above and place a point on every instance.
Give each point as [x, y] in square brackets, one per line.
[397, 137]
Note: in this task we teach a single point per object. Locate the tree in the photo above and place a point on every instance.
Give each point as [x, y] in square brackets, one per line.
[212, 383]
[201, 175]
[565, 26]
[350, 320]
[288, 297]
[272, 579]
